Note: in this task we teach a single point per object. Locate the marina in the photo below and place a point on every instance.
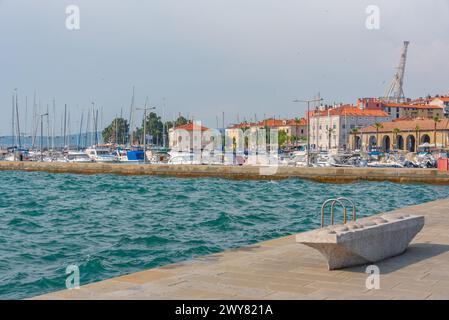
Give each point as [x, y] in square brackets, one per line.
[158, 150]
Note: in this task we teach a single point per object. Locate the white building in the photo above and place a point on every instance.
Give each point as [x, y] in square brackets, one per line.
[188, 137]
[331, 127]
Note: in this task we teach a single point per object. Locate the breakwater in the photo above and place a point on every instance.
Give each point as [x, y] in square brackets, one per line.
[329, 174]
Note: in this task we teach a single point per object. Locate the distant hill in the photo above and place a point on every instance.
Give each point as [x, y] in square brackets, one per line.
[26, 141]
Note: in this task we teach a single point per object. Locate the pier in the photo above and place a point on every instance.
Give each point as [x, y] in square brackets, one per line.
[284, 269]
[321, 174]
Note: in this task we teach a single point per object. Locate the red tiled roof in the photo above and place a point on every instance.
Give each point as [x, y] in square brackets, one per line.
[272, 123]
[444, 99]
[409, 125]
[350, 110]
[189, 127]
[242, 125]
[297, 122]
[408, 106]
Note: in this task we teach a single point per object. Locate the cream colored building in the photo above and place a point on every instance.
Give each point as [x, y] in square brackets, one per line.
[295, 129]
[398, 110]
[442, 102]
[404, 135]
[331, 127]
[191, 136]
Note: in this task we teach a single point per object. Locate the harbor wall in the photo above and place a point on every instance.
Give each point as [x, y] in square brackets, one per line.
[325, 174]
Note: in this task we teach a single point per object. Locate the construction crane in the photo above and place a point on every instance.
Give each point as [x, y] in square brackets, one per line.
[395, 92]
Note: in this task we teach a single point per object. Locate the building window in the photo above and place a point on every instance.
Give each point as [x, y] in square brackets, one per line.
[343, 126]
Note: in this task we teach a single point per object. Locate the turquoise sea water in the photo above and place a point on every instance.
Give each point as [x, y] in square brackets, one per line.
[112, 225]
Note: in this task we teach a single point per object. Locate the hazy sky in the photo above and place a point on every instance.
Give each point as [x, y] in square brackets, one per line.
[208, 56]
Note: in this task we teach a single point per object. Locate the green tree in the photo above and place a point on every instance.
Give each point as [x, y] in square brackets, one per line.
[395, 135]
[153, 129]
[116, 132]
[436, 119]
[355, 132]
[180, 121]
[282, 137]
[378, 126]
[417, 129]
[329, 136]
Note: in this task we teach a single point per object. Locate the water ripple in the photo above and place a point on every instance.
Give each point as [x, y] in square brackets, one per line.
[112, 225]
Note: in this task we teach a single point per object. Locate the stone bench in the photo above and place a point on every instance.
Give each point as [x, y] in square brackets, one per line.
[363, 241]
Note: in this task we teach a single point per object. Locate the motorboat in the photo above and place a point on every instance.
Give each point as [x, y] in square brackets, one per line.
[128, 155]
[78, 157]
[100, 154]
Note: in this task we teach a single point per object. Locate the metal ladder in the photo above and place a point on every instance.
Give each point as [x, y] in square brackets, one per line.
[333, 203]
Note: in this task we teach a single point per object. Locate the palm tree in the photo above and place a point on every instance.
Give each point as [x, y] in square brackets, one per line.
[355, 131]
[436, 119]
[378, 126]
[395, 136]
[417, 128]
[329, 132]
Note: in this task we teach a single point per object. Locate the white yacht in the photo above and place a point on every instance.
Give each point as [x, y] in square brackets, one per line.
[78, 157]
[100, 154]
[179, 157]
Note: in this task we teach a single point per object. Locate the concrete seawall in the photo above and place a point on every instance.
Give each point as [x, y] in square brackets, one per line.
[331, 174]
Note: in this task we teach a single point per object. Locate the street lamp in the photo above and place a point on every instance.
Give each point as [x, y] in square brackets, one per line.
[308, 101]
[42, 134]
[145, 130]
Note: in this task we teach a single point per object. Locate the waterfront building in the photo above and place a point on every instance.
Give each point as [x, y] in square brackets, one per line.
[295, 129]
[420, 108]
[398, 110]
[331, 126]
[442, 102]
[190, 136]
[403, 134]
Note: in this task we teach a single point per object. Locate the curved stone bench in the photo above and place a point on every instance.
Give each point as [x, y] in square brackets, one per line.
[363, 241]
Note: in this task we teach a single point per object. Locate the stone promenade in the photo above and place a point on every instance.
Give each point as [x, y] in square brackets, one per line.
[284, 269]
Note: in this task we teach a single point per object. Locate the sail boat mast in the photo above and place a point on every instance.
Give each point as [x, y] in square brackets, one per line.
[65, 125]
[131, 121]
[81, 128]
[13, 131]
[53, 126]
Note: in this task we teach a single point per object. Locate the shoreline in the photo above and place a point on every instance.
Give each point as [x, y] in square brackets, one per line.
[322, 174]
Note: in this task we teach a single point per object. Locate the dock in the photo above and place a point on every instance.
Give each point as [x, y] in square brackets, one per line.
[246, 172]
[283, 269]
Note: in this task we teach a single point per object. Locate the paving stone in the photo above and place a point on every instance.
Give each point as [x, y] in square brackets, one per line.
[283, 269]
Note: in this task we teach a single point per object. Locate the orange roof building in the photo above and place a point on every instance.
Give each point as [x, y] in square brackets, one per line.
[330, 128]
[349, 111]
[190, 126]
[404, 135]
[443, 102]
[295, 129]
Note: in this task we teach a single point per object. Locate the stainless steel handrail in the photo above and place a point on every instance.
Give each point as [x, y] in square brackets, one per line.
[354, 217]
[332, 210]
[334, 202]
